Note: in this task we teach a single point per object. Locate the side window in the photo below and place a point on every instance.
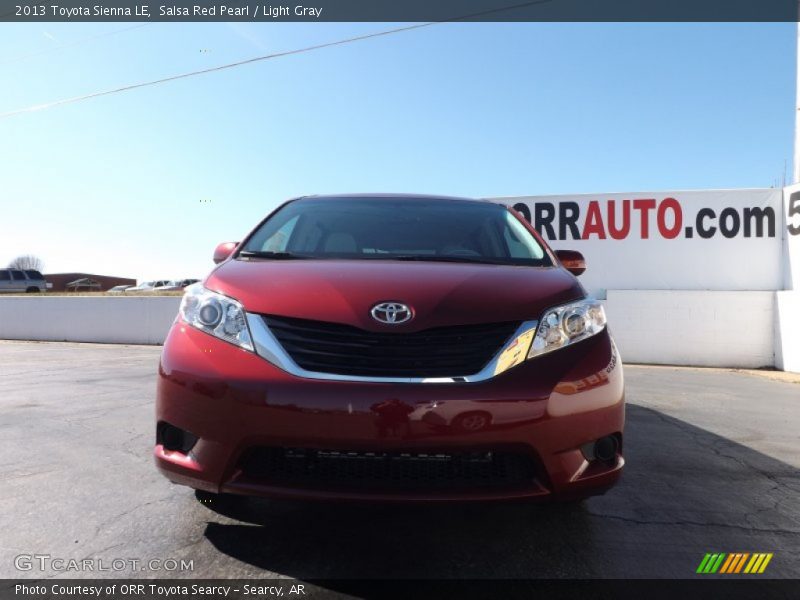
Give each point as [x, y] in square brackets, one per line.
[18, 275]
[279, 240]
[34, 275]
[5, 275]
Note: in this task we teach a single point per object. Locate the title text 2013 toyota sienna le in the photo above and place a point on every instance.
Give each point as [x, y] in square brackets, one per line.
[389, 347]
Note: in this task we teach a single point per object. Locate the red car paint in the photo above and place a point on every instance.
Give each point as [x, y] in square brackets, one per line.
[442, 294]
[547, 408]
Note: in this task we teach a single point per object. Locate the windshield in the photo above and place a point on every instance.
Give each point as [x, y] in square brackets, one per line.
[396, 229]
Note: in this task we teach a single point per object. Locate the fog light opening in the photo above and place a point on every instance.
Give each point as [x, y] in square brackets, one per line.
[605, 449]
[174, 438]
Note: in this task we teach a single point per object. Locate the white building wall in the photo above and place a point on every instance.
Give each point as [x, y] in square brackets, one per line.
[721, 329]
[787, 331]
[791, 239]
[103, 319]
[698, 328]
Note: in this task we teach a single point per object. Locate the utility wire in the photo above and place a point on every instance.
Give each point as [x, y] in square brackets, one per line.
[77, 42]
[350, 40]
[134, 86]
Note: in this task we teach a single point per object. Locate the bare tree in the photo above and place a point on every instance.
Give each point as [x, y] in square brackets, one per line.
[27, 261]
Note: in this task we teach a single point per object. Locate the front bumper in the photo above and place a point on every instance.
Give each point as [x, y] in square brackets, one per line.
[237, 403]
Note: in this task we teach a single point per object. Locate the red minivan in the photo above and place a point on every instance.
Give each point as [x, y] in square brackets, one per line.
[391, 348]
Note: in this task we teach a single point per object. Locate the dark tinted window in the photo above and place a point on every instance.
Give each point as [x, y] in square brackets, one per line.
[17, 275]
[34, 274]
[4, 275]
[398, 228]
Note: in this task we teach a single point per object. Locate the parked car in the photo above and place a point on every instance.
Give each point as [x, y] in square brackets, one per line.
[85, 284]
[119, 289]
[21, 280]
[147, 286]
[176, 286]
[390, 348]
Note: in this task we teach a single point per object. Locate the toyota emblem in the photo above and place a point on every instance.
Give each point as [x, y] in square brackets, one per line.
[391, 313]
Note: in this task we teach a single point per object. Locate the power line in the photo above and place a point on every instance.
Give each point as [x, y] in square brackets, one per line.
[77, 42]
[134, 86]
[342, 42]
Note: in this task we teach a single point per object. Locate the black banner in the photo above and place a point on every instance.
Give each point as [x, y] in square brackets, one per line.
[292, 589]
[403, 10]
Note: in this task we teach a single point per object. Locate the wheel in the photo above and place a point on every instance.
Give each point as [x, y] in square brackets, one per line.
[32, 290]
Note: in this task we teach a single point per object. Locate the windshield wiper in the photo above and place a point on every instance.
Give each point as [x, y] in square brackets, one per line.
[271, 254]
[445, 258]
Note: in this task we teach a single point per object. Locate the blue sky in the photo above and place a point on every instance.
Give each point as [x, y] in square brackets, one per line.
[145, 183]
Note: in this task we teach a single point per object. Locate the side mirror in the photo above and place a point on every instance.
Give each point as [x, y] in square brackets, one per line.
[223, 251]
[572, 261]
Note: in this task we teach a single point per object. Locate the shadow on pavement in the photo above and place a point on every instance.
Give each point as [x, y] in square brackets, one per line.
[685, 492]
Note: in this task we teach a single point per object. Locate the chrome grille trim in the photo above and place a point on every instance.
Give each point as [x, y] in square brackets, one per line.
[268, 348]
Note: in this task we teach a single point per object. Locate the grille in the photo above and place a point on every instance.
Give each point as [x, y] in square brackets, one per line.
[406, 471]
[346, 350]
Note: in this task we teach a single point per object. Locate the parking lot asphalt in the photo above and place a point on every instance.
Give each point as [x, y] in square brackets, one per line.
[712, 466]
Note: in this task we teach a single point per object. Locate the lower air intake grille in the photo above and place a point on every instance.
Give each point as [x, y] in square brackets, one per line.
[345, 350]
[407, 471]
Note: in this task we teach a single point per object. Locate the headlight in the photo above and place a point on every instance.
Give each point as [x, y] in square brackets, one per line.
[217, 315]
[565, 325]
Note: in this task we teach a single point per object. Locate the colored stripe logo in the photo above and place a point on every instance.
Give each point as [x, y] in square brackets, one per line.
[735, 562]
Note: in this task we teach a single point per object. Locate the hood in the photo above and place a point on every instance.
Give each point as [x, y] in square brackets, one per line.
[440, 294]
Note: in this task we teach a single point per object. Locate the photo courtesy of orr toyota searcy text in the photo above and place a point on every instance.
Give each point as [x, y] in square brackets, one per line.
[159, 590]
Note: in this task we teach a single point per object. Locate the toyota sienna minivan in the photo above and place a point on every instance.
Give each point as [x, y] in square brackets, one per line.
[391, 348]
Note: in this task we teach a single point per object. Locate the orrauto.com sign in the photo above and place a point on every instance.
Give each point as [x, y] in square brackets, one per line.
[692, 240]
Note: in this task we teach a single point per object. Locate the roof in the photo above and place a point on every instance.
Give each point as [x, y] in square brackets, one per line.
[84, 281]
[389, 197]
[84, 275]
